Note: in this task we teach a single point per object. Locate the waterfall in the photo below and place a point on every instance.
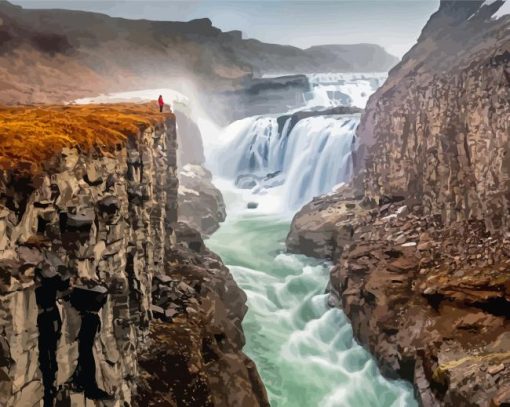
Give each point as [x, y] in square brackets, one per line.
[342, 89]
[296, 162]
[303, 349]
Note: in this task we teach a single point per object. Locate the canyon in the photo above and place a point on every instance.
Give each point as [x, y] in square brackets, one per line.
[332, 236]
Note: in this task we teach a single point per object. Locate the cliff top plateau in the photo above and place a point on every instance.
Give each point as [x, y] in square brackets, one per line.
[30, 136]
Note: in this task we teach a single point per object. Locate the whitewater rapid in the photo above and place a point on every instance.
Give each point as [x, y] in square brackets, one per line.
[305, 351]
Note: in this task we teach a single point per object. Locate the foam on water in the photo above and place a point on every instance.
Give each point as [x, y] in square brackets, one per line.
[309, 159]
[304, 351]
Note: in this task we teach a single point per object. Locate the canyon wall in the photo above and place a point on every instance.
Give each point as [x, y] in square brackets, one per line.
[438, 129]
[420, 237]
[92, 256]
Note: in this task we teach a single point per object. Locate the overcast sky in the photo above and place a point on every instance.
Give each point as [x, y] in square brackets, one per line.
[394, 24]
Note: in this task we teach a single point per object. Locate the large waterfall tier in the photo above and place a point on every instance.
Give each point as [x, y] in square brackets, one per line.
[342, 89]
[298, 163]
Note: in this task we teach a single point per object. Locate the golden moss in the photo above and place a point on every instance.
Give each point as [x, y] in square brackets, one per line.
[30, 136]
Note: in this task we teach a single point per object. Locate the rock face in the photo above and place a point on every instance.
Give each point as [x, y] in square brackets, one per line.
[88, 260]
[105, 220]
[200, 203]
[420, 238]
[438, 129]
[321, 228]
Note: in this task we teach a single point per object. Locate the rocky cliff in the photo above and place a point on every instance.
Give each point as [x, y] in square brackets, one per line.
[85, 54]
[438, 129]
[201, 204]
[420, 238]
[92, 255]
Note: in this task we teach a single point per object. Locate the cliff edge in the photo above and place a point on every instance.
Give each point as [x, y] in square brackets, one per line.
[98, 275]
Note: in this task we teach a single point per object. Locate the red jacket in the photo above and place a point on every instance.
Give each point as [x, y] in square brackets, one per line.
[160, 101]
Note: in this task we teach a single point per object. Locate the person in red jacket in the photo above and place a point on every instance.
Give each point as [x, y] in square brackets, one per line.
[161, 103]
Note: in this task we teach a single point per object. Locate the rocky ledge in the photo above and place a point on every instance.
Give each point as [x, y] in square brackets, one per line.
[96, 273]
[430, 301]
[197, 360]
[200, 202]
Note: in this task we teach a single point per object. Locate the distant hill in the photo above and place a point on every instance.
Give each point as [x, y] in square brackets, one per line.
[56, 55]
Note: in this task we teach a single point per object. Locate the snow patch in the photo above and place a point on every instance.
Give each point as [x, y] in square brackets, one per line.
[503, 10]
[170, 96]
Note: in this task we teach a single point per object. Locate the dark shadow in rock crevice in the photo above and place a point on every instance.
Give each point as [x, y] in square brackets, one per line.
[88, 300]
[49, 323]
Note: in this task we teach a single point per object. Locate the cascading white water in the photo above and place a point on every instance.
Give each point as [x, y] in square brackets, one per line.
[302, 162]
[342, 89]
[304, 350]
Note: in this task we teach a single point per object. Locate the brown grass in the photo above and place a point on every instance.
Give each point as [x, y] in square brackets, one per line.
[30, 136]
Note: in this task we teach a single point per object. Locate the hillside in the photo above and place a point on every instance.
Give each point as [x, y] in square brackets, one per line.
[55, 55]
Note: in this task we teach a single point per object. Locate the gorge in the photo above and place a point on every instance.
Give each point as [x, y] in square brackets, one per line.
[329, 237]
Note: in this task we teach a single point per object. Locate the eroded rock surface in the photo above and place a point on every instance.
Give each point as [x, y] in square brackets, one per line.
[438, 129]
[200, 202]
[89, 257]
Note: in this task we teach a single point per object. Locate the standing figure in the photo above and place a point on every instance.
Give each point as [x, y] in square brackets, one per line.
[161, 103]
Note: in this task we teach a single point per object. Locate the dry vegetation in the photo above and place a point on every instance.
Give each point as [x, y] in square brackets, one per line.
[30, 136]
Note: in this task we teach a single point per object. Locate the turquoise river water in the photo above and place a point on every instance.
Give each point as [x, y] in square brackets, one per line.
[305, 351]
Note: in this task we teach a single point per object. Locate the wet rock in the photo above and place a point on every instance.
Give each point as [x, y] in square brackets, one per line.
[246, 181]
[252, 205]
[200, 202]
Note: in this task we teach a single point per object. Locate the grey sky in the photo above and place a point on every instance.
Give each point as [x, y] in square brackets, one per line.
[394, 24]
